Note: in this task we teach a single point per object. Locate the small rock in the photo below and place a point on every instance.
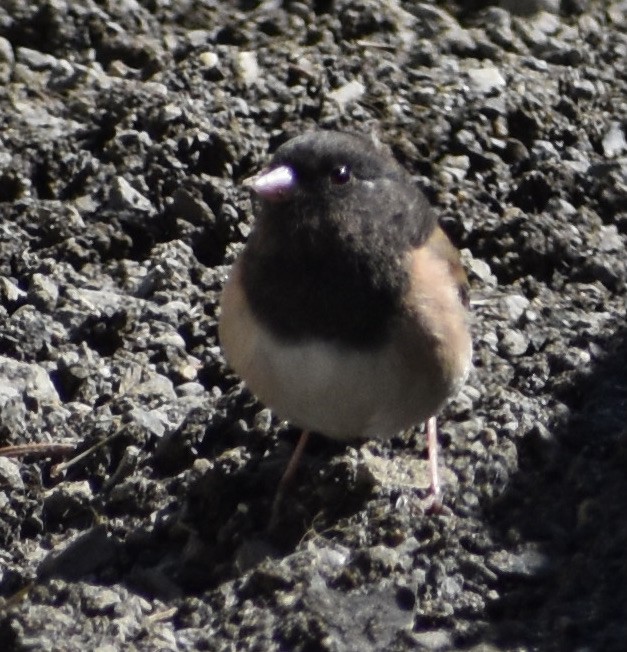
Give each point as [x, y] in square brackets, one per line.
[514, 306]
[43, 293]
[171, 112]
[614, 142]
[36, 60]
[123, 196]
[6, 52]
[513, 343]
[63, 76]
[494, 107]
[480, 269]
[190, 389]
[486, 80]
[456, 166]
[10, 475]
[190, 207]
[247, 67]
[99, 600]
[610, 239]
[170, 339]
[347, 94]
[198, 37]
[584, 89]
[153, 421]
[97, 301]
[7, 60]
[380, 557]
[617, 13]
[119, 69]
[156, 386]
[189, 370]
[85, 204]
[434, 640]
[263, 420]
[155, 88]
[459, 40]
[543, 150]
[545, 22]
[432, 18]
[84, 555]
[9, 291]
[489, 437]
[66, 500]
[563, 207]
[209, 59]
[20, 377]
[330, 557]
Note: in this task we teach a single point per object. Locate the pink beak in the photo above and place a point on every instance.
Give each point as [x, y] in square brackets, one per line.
[274, 184]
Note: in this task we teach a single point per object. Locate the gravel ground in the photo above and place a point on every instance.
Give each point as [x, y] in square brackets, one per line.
[137, 519]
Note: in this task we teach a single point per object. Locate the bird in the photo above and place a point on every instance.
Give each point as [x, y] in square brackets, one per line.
[347, 312]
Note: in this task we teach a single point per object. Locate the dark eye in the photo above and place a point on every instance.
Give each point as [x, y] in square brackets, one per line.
[340, 175]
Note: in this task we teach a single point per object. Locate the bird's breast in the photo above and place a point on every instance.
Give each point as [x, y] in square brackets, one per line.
[323, 386]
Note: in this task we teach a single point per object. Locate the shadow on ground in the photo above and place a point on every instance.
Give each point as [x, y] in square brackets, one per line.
[569, 501]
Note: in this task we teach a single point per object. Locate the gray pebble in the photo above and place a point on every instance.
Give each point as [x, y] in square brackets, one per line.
[85, 554]
[513, 343]
[487, 79]
[123, 196]
[43, 292]
[247, 68]
[10, 474]
[514, 306]
[347, 94]
[7, 60]
[481, 270]
[18, 377]
[614, 142]
[36, 60]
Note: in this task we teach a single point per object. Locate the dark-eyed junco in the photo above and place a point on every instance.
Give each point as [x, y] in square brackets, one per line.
[346, 313]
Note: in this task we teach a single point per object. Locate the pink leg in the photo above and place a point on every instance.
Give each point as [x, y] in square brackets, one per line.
[436, 506]
[287, 478]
